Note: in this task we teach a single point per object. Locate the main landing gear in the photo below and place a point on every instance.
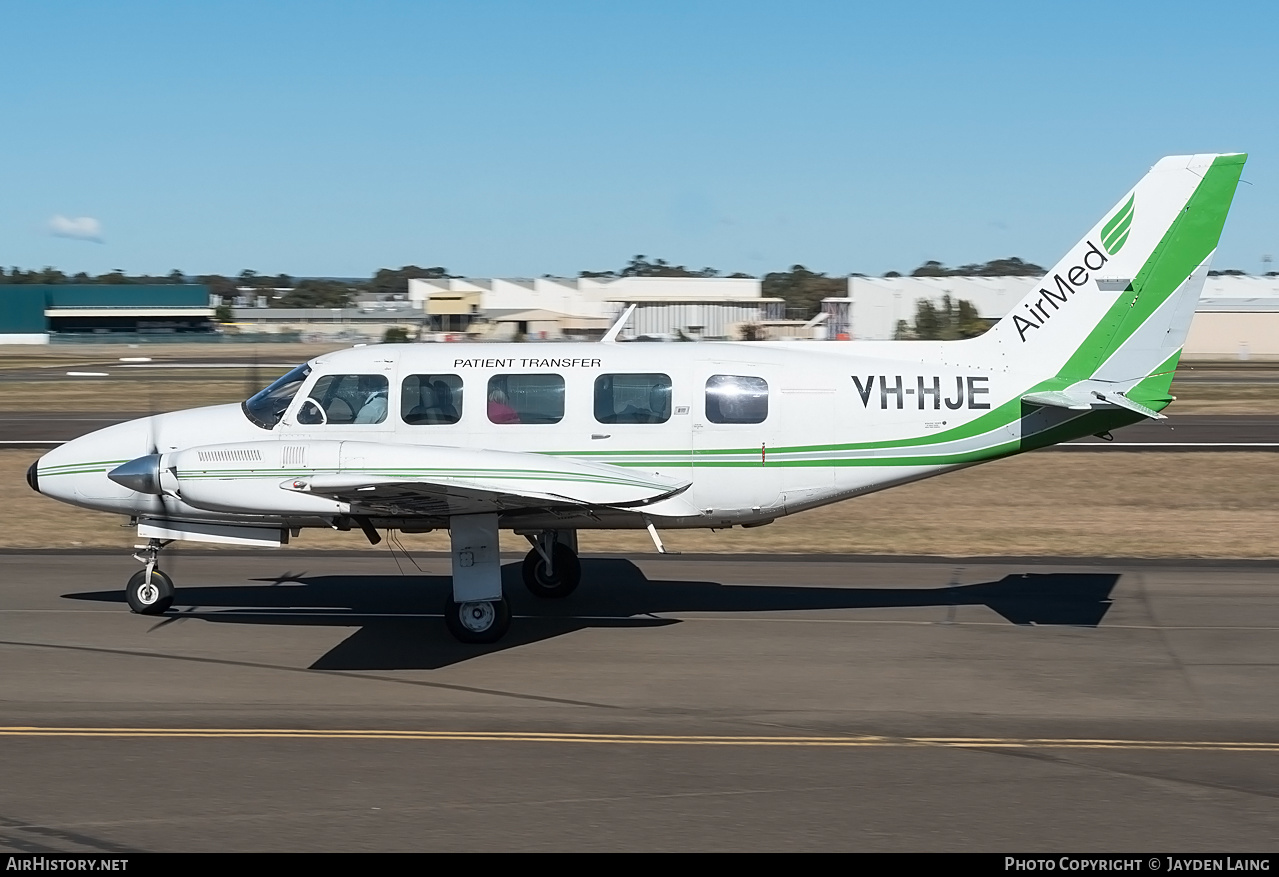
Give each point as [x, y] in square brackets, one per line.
[477, 611]
[551, 569]
[149, 591]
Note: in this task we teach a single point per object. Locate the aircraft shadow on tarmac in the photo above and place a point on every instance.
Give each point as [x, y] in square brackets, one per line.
[394, 635]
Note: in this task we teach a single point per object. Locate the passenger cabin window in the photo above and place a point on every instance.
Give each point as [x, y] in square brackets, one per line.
[346, 399]
[736, 399]
[642, 398]
[526, 399]
[431, 399]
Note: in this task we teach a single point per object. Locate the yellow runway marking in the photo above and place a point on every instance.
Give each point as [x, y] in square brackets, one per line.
[652, 739]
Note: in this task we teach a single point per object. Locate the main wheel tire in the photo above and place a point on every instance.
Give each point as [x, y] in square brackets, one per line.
[152, 598]
[485, 621]
[566, 575]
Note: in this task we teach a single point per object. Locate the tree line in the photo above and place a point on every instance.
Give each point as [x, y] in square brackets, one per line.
[801, 288]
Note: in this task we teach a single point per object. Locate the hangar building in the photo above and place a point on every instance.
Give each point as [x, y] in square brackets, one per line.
[583, 307]
[31, 313]
[1237, 316]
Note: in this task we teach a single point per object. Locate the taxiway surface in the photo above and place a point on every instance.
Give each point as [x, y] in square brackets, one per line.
[296, 701]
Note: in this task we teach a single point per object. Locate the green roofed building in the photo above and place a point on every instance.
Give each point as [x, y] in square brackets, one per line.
[22, 319]
[30, 313]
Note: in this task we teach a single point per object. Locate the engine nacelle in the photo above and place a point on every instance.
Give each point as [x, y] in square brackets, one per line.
[251, 477]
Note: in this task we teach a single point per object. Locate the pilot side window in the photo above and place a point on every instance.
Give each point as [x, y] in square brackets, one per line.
[431, 399]
[266, 407]
[346, 399]
[526, 399]
[736, 399]
[640, 398]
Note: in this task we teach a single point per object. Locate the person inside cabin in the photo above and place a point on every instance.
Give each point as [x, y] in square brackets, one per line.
[372, 393]
[658, 410]
[499, 410]
[659, 402]
[443, 397]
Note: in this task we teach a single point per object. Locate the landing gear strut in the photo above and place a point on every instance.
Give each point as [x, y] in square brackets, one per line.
[149, 591]
[551, 569]
[476, 611]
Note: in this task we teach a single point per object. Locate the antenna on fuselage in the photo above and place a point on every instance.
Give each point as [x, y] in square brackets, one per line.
[610, 337]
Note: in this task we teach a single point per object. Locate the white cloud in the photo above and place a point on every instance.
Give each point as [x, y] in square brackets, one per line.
[84, 228]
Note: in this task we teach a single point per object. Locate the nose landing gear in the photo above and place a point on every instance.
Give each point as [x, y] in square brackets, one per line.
[149, 591]
[477, 621]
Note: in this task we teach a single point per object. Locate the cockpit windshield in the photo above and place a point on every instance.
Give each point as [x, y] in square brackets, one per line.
[266, 407]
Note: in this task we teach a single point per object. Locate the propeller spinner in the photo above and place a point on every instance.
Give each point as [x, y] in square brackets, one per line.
[142, 475]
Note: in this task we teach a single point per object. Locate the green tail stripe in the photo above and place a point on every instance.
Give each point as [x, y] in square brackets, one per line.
[1190, 239]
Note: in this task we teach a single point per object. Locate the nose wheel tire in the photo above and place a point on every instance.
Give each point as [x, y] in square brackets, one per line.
[149, 598]
[564, 578]
[483, 621]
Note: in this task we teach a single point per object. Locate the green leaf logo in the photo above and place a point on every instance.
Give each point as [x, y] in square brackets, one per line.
[1114, 234]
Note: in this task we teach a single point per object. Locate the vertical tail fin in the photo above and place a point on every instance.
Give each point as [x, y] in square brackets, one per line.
[1118, 306]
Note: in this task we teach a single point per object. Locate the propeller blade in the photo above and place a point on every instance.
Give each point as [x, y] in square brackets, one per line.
[149, 466]
[255, 380]
[153, 441]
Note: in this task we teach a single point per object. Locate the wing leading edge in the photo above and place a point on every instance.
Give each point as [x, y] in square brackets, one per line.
[440, 481]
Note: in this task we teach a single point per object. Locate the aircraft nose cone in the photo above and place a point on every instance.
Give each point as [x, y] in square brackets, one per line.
[142, 474]
[33, 476]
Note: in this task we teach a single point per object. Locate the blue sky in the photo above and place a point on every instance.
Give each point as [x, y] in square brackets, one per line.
[521, 139]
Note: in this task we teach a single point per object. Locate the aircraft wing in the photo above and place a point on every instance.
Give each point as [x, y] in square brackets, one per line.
[461, 481]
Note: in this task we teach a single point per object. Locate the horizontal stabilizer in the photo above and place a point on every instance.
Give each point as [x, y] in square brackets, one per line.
[1054, 399]
[1117, 398]
[1089, 396]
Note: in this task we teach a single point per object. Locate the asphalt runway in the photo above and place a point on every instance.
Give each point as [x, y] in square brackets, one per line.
[314, 701]
[1177, 433]
[143, 367]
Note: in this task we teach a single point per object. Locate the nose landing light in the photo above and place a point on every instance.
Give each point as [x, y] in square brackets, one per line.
[142, 474]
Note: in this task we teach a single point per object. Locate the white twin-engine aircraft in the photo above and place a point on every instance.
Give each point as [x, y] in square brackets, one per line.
[547, 440]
